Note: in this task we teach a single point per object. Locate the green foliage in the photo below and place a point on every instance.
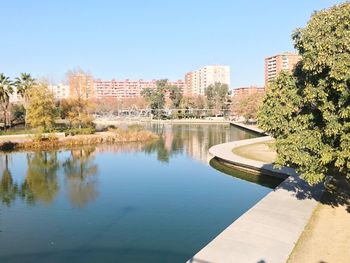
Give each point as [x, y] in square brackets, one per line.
[156, 98]
[6, 89]
[216, 96]
[77, 113]
[309, 112]
[175, 95]
[41, 107]
[7, 146]
[80, 131]
[18, 112]
[247, 105]
[23, 84]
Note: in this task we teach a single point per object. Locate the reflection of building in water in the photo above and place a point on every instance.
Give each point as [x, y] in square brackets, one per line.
[129, 147]
[198, 148]
[192, 139]
[195, 140]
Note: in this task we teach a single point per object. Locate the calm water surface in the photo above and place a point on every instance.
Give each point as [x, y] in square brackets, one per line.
[154, 202]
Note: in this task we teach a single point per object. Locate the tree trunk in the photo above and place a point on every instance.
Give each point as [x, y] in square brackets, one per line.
[5, 120]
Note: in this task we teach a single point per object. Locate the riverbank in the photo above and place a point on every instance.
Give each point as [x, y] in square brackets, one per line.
[319, 230]
[326, 237]
[54, 140]
[265, 233]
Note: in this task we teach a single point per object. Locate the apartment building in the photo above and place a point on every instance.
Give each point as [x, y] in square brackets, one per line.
[123, 89]
[82, 86]
[200, 79]
[60, 91]
[244, 91]
[275, 64]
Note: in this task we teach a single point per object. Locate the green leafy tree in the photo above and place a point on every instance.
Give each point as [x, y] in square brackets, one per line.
[18, 112]
[186, 105]
[247, 105]
[77, 112]
[156, 98]
[41, 108]
[217, 96]
[6, 89]
[175, 95]
[308, 112]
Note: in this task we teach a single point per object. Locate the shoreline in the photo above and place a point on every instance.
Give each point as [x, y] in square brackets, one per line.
[27, 142]
[180, 121]
[265, 232]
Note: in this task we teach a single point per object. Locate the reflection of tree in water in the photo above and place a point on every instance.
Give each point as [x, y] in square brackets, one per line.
[194, 139]
[8, 189]
[81, 175]
[41, 179]
[158, 147]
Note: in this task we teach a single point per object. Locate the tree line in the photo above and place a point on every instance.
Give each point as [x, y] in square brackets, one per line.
[37, 107]
[308, 111]
[216, 98]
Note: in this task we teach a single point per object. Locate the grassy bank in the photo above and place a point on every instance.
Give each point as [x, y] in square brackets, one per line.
[263, 152]
[326, 238]
[112, 135]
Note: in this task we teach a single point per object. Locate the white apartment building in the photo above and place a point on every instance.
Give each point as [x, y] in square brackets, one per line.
[60, 91]
[200, 79]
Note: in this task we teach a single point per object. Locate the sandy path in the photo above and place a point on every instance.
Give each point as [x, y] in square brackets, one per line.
[326, 238]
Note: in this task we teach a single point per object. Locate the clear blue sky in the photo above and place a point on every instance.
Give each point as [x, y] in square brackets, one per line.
[148, 39]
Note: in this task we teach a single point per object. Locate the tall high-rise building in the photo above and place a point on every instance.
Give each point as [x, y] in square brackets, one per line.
[275, 64]
[200, 79]
[81, 85]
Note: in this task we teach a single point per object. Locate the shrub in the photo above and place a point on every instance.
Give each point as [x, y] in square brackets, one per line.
[82, 131]
[7, 146]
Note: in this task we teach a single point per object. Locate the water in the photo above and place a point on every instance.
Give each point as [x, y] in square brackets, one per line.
[153, 202]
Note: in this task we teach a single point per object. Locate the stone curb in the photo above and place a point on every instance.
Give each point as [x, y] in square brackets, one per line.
[268, 232]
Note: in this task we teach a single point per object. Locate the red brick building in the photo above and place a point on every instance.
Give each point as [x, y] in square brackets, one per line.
[243, 91]
[275, 64]
[123, 89]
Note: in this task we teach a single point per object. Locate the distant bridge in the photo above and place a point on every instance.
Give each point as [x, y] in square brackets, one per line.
[159, 113]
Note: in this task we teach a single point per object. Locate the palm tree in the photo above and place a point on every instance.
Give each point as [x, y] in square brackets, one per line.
[6, 89]
[23, 84]
[8, 189]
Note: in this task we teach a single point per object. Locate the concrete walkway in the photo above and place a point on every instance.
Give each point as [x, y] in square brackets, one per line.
[268, 231]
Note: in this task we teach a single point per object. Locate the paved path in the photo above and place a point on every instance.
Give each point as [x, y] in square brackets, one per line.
[268, 231]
